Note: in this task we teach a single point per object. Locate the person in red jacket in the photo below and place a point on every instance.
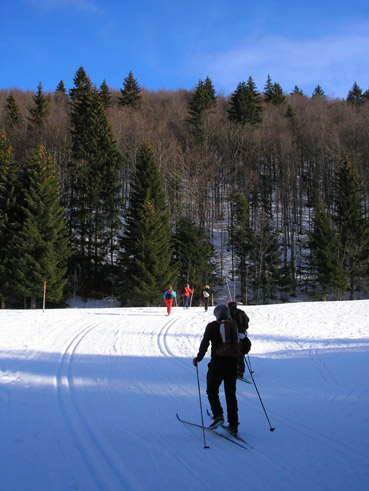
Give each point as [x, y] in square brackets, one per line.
[186, 295]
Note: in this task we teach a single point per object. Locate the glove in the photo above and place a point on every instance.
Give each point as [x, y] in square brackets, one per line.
[194, 362]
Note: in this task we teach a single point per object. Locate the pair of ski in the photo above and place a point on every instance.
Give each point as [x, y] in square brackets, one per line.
[236, 439]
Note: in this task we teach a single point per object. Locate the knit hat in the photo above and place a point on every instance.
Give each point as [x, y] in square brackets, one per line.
[232, 306]
[221, 312]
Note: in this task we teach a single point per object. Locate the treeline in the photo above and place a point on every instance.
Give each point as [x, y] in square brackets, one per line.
[141, 185]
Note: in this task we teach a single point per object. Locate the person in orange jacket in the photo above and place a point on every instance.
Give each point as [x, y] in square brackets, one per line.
[186, 295]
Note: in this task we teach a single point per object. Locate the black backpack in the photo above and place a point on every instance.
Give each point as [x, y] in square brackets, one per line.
[169, 295]
[245, 344]
[242, 320]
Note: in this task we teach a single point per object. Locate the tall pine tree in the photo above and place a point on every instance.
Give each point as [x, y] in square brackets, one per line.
[326, 264]
[41, 247]
[41, 108]
[8, 218]
[318, 93]
[130, 94]
[355, 95]
[273, 93]
[105, 94]
[353, 229]
[245, 104]
[94, 199]
[12, 108]
[265, 260]
[240, 237]
[202, 101]
[146, 255]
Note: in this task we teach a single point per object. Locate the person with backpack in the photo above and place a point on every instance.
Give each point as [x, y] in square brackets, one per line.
[206, 295]
[186, 295]
[242, 321]
[223, 336]
[169, 294]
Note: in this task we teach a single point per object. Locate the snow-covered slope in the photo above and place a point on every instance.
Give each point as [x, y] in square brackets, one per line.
[88, 400]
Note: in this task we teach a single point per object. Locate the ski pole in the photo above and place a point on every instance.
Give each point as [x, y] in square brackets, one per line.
[202, 417]
[252, 378]
[248, 363]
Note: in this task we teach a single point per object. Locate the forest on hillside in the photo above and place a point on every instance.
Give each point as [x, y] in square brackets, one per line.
[124, 191]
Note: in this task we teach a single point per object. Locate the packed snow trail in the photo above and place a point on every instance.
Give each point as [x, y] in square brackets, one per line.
[88, 400]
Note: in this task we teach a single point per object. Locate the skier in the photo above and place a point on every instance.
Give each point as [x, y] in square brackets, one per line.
[220, 369]
[186, 295]
[206, 295]
[242, 321]
[169, 294]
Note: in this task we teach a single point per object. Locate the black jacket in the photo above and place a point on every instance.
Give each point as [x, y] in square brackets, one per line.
[212, 335]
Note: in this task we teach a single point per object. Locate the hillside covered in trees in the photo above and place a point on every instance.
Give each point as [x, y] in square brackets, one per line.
[121, 192]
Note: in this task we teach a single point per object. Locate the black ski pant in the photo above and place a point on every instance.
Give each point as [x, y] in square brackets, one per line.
[241, 365]
[223, 370]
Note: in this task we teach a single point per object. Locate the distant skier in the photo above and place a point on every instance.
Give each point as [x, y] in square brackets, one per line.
[186, 295]
[169, 294]
[206, 295]
[222, 366]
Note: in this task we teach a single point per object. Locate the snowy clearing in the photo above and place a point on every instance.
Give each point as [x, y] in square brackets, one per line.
[88, 400]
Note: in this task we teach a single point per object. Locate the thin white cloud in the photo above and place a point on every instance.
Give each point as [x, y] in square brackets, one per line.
[336, 60]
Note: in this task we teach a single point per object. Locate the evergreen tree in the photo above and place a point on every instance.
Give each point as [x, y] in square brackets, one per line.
[245, 104]
[60, 89]
[12, 107]
[352, 225]
[105, 95]
[146, 243]
[297, 91]
[239, 238]
[8, 220]
[318, 93]
[273, 93]
[194, 253]
[41, 108]
[290, 113]
[325, 260]
[94, 200]
[210, 97]
[355, 95]
[41, 247]
[265, 260]
[268, 89]
[278, 96]
[60, 95]
[130, 94]
[202, 101]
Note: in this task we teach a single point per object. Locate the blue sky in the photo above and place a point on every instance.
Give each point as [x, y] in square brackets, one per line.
[172, 44]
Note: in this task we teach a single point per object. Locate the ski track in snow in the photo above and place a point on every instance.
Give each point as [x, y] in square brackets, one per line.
[113, 379]
[92, 448]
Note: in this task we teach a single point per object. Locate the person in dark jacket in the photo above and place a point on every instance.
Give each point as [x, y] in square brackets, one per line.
[220, 369]
[206, 295]
[242, 320]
